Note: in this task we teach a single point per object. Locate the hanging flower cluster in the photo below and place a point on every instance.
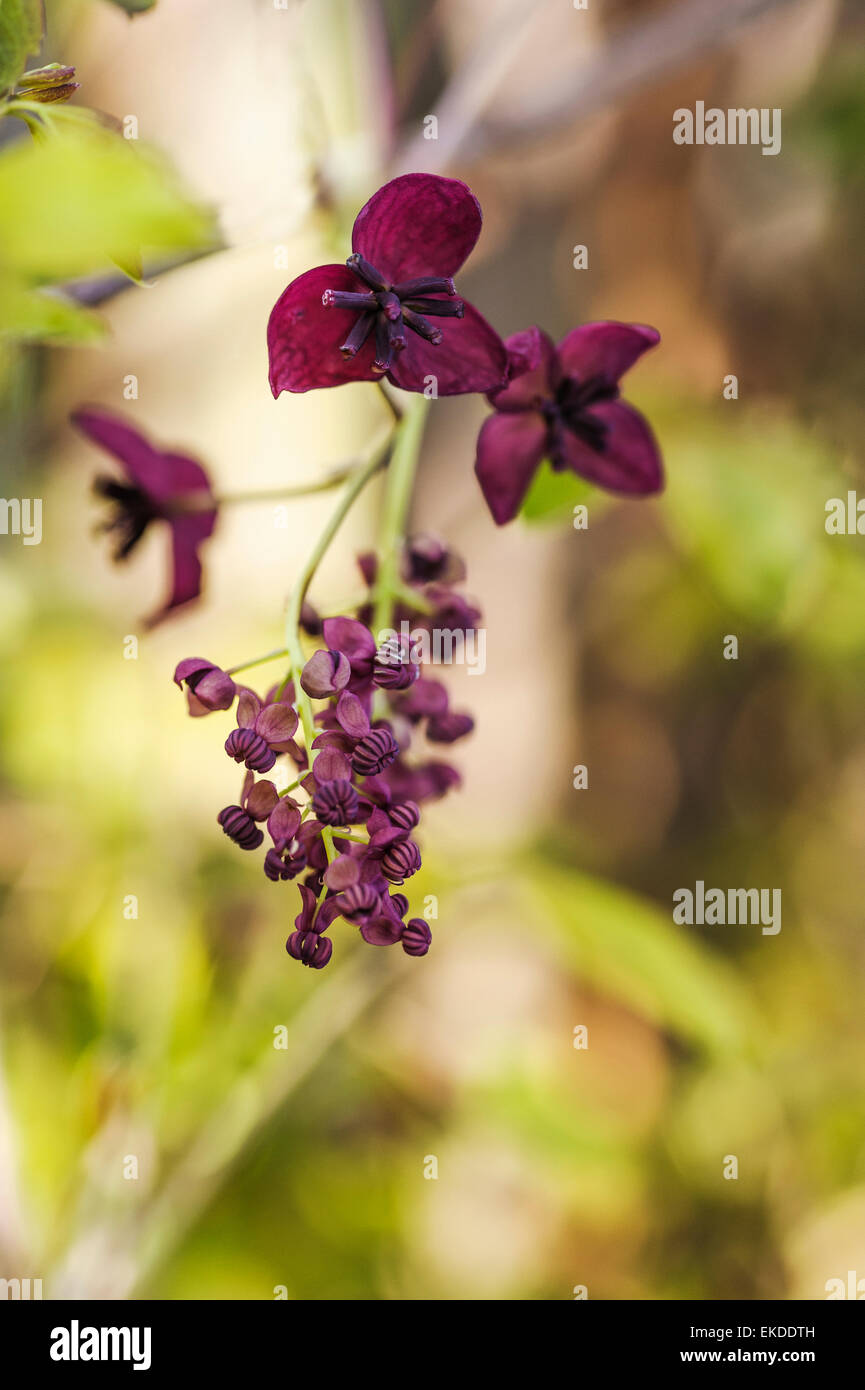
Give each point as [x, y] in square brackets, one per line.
[356, 718]
[346, 825]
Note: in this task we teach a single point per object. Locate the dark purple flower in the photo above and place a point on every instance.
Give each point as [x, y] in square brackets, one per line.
[162, 487]
[404, 814]
[371, 317]
[401, 861]
[373, 753]
[240, 827]
[448, 727]
[416, 937]
[359, 904]
[310, 948]
[427, 560]
[262, 732]
[306, 943]
[325, 674]
[335, 802]
[562, 403]
[207, 686]
[393, 668]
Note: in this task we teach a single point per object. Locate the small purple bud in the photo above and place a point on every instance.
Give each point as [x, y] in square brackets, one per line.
[246, 746]
[399, 903]
[401, 861]
[374, 753]
[310, 948]
[359, 903]
[275, 866]
[208, 685]
[240, 827]
[393, 668]
[416, 937]
[404, 814]
[335, 803]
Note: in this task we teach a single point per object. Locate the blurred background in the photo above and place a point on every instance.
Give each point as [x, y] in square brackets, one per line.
[306, 1170]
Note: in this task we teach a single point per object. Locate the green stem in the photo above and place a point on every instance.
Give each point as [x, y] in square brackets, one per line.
[257, 661]
[357, 483]
[278, 494]
[400, 482]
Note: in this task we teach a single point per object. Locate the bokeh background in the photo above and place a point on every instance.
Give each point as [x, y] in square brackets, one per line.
[303, 1169]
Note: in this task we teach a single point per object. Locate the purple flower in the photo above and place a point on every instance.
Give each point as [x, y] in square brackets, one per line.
[306, 943]
[257, 801]
[393, 668]
[335, 802]
[162, 487]
[427, 560]
[371, 317]
[208, 687]
[374, 752]
[562, 403]
[262, 732]
[401, 861]
[416, 937]
[240, 827]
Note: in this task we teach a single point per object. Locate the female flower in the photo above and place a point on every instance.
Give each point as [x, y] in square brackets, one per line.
[161, 486]
[372, 316]
[562, 403]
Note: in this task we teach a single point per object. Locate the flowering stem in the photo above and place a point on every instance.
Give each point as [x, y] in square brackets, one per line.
[359, 478]
[400, 482]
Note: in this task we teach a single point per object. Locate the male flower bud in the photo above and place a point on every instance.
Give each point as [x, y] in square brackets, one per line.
[51, 83]
[401, 861]
[393, 668]
[240, 827]
[207, 686]
[335, 803]
[416, 937]
[374, 753]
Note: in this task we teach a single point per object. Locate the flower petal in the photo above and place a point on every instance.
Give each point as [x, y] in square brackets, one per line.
[350, 637]
[331, 765]
[352, 715]
[416, 225]
[277, 724]
[283, 823]
[163, 476]
[342, 873]
[382, 931]
[304, 337]
[604, 349]
[248, 706]
[531, 359]
[470, 357]
[510, 447]
[631, 460]
[187, 533]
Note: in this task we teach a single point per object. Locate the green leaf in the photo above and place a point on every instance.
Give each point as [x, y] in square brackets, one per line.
[29, 315]
[75, 202]
[20, 35]
[553, 496]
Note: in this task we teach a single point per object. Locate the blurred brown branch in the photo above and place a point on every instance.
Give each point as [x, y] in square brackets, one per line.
[632, 59]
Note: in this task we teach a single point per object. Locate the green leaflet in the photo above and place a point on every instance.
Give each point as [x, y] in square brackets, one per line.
[20, 35]
[74, 202]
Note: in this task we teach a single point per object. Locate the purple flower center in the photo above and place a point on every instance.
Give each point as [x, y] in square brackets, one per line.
[386, 310]
[133, 513]
[568, 410]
